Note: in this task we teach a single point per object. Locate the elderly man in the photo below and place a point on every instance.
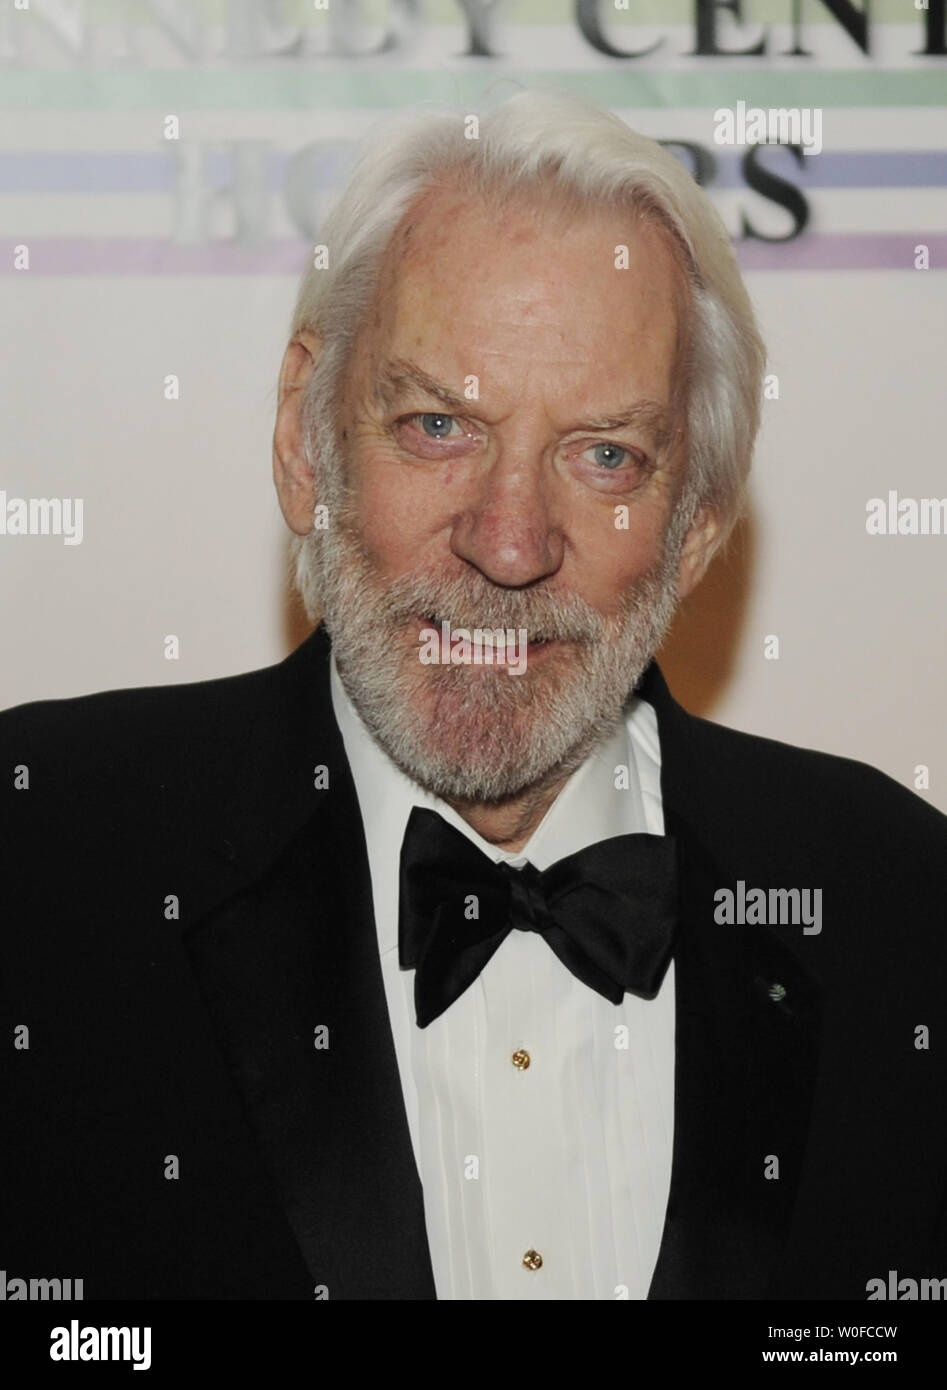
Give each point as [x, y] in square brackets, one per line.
[450, 958]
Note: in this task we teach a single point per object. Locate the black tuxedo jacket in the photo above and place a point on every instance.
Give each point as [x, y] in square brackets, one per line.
[183, 906]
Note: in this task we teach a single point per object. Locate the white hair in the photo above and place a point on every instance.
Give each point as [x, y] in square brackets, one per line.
[548, 142]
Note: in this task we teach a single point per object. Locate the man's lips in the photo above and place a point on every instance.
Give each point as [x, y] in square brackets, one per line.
[487, 651]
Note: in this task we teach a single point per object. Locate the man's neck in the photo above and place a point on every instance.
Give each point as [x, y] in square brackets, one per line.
[510, 824]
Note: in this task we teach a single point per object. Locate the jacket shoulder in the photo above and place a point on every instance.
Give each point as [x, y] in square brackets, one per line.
[826, 796]
[124, 768]
[109, 726]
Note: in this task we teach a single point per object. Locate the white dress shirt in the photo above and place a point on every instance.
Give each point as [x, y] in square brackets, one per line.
[569, 1157]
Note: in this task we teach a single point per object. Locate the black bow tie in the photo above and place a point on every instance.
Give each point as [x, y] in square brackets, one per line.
[608, 912]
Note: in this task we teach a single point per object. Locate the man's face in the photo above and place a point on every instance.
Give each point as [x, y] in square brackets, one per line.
[504, 431]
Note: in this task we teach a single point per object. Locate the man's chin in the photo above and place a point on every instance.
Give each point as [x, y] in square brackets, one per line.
[477, 773]
[477, 734]
[484, 705]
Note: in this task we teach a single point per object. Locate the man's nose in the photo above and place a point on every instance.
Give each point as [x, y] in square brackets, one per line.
[509, 532]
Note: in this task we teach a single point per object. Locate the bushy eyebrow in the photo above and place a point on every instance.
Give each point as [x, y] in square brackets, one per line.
[648, 416]
[395, 378]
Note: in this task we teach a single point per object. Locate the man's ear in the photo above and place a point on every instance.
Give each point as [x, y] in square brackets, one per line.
[295, 485]
[700, 546]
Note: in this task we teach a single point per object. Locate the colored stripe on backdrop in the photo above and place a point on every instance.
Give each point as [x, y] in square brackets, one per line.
[39, 171]
[364, 86]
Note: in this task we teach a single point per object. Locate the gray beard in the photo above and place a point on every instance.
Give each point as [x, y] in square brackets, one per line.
[471, 733]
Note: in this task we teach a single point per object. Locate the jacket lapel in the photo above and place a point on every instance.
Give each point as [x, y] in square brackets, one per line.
[288, 967]
[745, 1058]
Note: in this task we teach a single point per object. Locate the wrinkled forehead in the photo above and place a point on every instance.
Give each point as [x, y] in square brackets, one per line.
[455, 242]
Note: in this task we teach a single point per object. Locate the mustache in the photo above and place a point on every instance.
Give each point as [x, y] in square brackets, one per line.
[470, 602]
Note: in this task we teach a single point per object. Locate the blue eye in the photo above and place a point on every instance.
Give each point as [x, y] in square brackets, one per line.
[440, 422]
[612, 450]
